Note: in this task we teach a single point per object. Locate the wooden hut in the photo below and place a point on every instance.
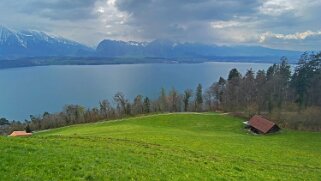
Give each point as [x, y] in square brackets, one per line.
[260, 125]
[20, 133]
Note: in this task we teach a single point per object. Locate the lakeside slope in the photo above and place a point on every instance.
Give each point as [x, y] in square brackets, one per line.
[162, 147]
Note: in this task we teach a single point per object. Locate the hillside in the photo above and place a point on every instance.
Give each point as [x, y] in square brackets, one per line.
[162, 147]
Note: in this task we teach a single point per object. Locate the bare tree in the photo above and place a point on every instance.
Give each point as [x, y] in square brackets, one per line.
[105, 109]
[122, 103]
[173, 100]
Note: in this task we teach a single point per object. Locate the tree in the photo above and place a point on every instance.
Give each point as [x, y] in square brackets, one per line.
[271, 71]
[28, 129]
[221, 86]
[232, 93]
[95, 116]
[36, 122]
[271, 86]
[173, 100]
[188, 93]
[218, 89]
[306, 80]
[74, 114]
[210, 98]
[199, 98]
[260, 83]
[128, 109]
[234, 73]
[16, 126]
[284, 75]
[138, 107]
[105, 108]
[278, 77]
[146, 105]
[163, 101]
[4, 121]
[122, 103]
[249, 92]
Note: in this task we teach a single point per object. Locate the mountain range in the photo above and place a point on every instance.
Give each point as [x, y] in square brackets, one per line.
[170, 49]
[26, 43]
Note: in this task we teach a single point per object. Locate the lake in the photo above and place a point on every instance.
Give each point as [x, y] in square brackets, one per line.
[34, 90]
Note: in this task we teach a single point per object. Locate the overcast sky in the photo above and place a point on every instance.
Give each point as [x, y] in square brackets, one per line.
[286, 24]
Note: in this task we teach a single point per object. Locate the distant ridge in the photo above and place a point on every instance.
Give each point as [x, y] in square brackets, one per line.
[30, 43]
[170, 49]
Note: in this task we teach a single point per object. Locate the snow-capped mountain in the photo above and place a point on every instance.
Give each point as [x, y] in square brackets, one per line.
[171, 49]
[22, 44]
[26, 43]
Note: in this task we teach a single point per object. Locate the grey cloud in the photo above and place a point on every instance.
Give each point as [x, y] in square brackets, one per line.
[183, 20]
[180, 10]
[310, 43]
[60, 9]
[209, 21]
[239, 21]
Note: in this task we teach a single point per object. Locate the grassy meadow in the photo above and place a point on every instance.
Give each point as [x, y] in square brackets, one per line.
[162, 147]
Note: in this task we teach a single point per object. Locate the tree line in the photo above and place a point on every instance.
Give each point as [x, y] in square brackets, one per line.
[292, 99]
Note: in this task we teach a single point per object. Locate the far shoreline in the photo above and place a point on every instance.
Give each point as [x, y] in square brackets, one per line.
[56, 61]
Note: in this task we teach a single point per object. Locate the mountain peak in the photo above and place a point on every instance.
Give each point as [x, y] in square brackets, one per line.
[30, 43]
[6, 35]
[4, 29]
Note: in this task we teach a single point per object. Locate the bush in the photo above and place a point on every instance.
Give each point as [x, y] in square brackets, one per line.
[308, 119]
[28, 129]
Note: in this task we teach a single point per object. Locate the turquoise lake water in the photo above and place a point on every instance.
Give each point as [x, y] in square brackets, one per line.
[34, 90]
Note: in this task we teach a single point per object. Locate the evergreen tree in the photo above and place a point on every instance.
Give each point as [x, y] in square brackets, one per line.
[249, 92]
[306, 80]
[4, 121]
[234, 73]
[233, 90]
[220, 88]
[163, 101]
[199, 98]
[260, 82]
[146, 105]
[187, 95]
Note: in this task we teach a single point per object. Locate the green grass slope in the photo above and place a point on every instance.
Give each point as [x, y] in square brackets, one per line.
[162, 147]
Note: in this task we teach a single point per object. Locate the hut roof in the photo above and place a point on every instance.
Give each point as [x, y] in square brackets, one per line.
[261, 123]
[20, 133]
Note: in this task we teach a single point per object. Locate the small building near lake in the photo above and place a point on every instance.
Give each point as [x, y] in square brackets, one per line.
[20, 133]
[260, 125]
